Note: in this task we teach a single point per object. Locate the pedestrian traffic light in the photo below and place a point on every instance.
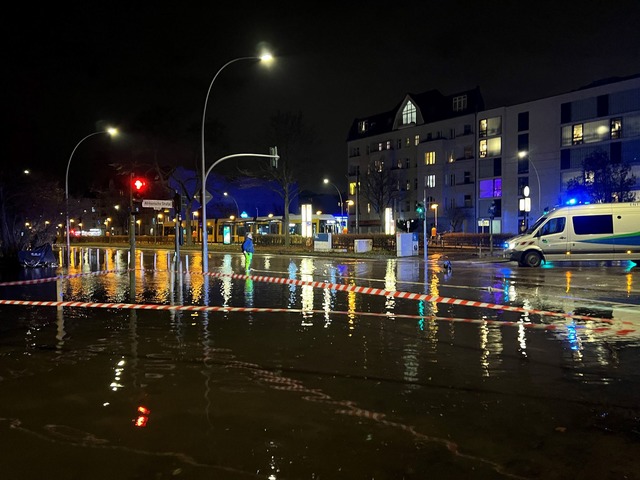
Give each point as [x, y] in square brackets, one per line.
[420, 210]
[138, 187]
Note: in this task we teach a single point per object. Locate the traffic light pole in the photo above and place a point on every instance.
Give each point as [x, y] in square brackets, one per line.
[424, 226]
[132, 229]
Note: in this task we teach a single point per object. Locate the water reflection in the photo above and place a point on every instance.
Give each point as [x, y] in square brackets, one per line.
[307, 268]
[390, 371]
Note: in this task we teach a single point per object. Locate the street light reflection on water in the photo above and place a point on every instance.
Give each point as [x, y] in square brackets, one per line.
[416, 387]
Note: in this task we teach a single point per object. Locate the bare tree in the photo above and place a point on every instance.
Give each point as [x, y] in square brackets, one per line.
[603, 181]
[456, 217]
[295, 142]
[380, 187]
[29, 211]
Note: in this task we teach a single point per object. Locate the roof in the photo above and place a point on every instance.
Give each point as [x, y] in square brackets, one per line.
[433, 106]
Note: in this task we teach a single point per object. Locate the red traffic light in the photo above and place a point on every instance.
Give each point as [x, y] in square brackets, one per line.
[139, 185]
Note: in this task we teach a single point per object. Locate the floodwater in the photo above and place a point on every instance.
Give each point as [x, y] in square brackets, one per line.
[284, 378]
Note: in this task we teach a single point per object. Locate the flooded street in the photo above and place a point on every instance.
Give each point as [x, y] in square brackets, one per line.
[320, 368]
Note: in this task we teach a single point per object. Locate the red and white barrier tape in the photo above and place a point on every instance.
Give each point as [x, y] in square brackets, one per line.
[406, 295]
[202, 308]
[348, 288]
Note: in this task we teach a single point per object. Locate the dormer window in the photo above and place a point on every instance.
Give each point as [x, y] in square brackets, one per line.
[409, 113]
[363, 126]
[459, 103]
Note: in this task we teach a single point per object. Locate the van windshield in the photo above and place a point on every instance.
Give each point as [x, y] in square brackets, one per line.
[535, 226]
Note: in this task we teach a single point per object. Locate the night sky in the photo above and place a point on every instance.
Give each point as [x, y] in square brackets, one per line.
[72, 71]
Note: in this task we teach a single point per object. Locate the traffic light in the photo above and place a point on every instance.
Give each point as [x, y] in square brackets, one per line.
[274, 160]
[138, 187]
[420, 210]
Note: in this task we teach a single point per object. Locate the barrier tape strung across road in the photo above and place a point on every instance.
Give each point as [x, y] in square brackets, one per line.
[351, 288]
[202, 308]
[405, 295]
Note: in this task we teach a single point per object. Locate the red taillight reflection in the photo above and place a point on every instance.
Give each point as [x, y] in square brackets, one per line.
[143, 417]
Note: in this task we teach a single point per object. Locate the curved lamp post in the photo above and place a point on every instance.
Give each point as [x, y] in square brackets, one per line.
[326, 181]
[234, 201]
[205, 261]
[112, 132]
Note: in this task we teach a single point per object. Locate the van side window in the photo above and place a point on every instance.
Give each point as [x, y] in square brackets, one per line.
[555, 225]
[592, 224]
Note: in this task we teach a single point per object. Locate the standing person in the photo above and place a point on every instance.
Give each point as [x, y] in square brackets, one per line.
[247, 249]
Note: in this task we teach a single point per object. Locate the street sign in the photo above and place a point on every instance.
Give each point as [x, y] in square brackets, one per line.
[157, 204]
[207, 196]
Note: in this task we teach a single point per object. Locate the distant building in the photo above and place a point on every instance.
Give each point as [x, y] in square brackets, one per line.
[474, 163]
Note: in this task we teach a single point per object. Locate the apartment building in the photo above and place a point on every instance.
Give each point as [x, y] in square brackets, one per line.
[470, 167]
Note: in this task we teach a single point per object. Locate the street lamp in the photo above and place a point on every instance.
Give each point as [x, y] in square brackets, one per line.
[203, 193]
[112, 132]
[435, 214]
[234, 201]
[326, 181]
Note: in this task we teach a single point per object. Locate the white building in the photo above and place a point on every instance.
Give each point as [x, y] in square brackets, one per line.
[451, 152]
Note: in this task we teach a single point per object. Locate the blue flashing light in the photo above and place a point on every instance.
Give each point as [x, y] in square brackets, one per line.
[572, 201]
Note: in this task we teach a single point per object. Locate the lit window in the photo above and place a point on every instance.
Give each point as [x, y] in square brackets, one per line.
[430, 181]
[577, 134]
[380, 147]
[494, 147]
[589, 177]
[482, 130]
[409, 114]
[491, 188]
[388, 144]
[459, 103]
[616, 128]
[417, 139]
[483, 148]
[430, 158]
[363, 126]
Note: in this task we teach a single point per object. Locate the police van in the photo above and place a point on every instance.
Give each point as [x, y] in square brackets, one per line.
[603, 231]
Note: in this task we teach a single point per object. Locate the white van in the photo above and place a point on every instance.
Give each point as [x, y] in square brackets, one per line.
[603, 231]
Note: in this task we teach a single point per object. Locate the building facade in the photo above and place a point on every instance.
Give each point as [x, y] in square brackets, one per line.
[473, 169]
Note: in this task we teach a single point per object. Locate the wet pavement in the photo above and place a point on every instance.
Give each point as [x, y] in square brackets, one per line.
[318, 367]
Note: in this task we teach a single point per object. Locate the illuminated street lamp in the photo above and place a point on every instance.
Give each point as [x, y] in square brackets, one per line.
[326, 181]
[525, 154]
[234, 201]
[203, 193]
[435, 214]
[112, 132]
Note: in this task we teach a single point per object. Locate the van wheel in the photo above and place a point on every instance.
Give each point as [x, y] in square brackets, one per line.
[531, 259]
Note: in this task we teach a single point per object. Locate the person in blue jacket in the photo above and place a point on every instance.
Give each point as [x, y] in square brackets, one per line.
[247, 249]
